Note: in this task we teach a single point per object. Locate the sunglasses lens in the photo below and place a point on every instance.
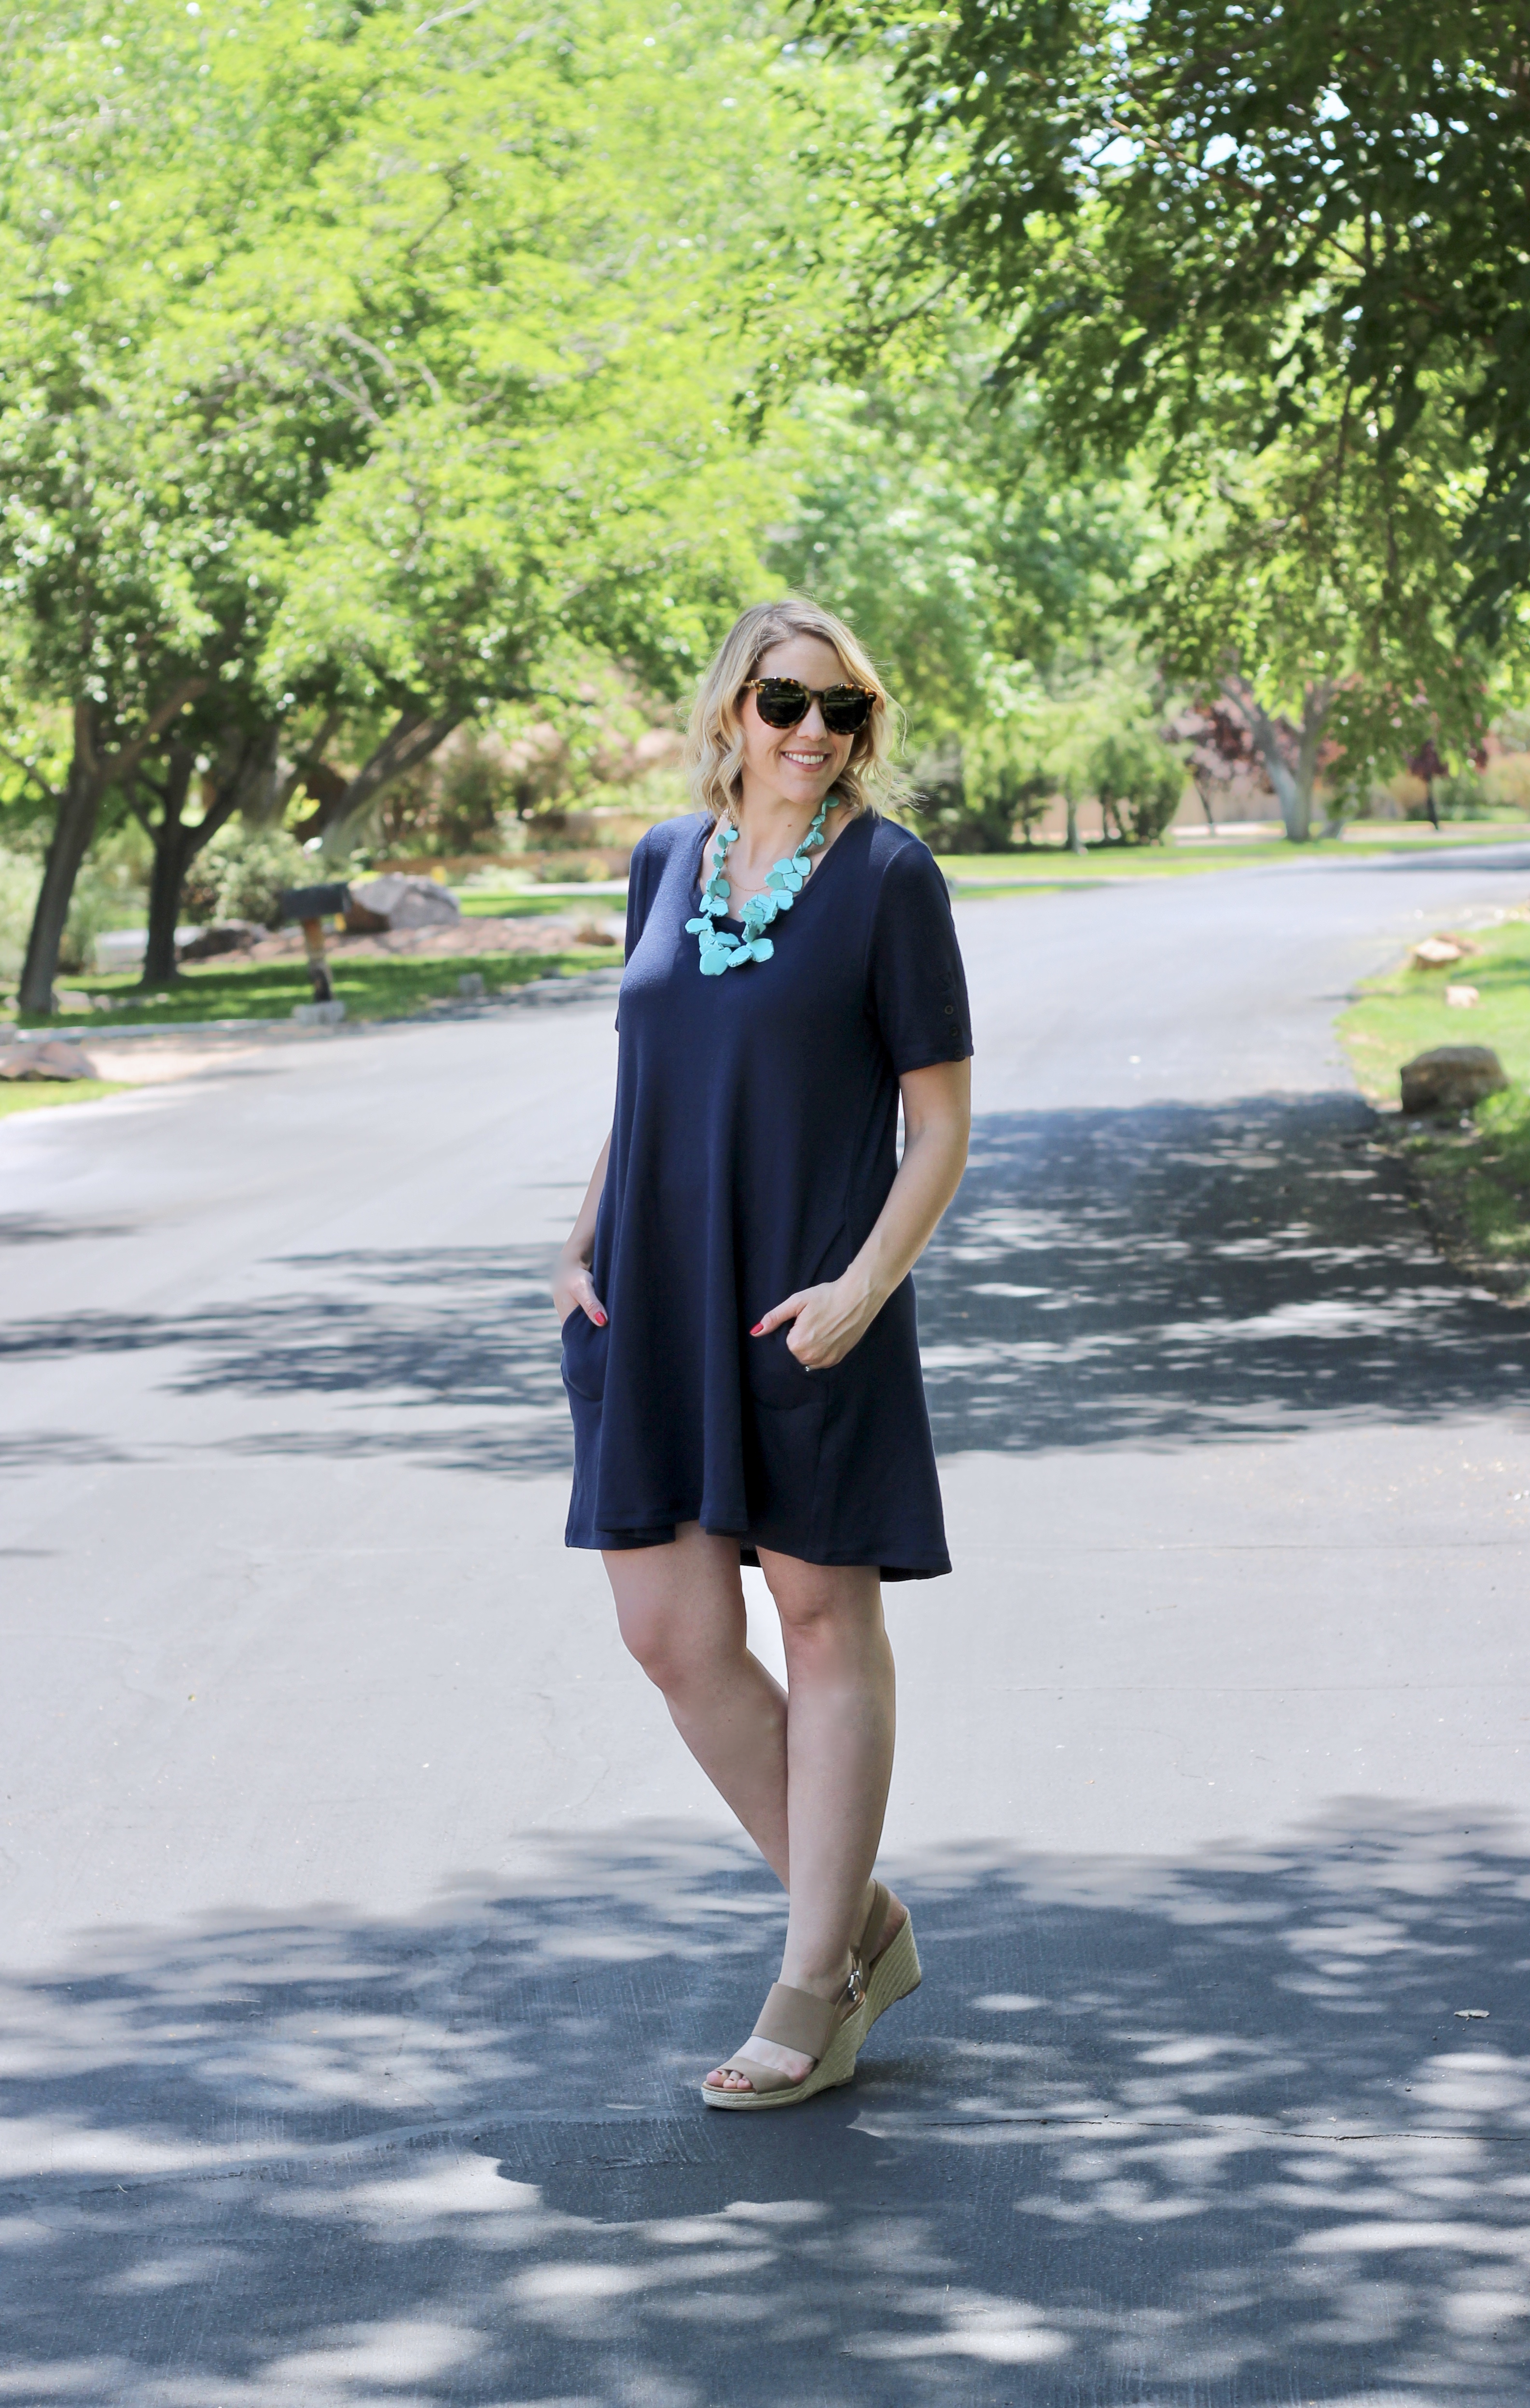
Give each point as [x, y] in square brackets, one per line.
[782, 702]
[845, 709]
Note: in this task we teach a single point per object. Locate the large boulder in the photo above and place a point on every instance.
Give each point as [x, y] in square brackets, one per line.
[1451, 1078]
[49, 1057]
[394, 901]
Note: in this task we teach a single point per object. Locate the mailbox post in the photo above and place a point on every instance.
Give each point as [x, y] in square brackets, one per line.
[310, 907]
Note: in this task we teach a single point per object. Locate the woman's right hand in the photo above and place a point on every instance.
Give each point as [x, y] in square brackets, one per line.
[574, 1290]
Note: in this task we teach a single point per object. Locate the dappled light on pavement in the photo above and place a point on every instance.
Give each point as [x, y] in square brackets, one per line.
[1205, 2132]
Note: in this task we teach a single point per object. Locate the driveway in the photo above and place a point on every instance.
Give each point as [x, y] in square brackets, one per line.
[365, 1929]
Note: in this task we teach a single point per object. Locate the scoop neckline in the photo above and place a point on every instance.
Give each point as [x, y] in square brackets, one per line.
[814, 875]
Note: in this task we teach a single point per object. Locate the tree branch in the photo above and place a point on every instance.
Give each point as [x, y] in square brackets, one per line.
[311, 756]
[28, 771]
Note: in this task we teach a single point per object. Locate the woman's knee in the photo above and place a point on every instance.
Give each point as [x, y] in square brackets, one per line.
[826, 1610]
[679, 1638]
[649, 1639]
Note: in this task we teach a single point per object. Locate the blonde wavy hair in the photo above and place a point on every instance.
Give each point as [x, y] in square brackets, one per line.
[714, 739]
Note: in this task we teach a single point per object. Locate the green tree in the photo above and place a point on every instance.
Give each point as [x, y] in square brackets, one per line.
[928, 516]
[1320, 580]
[351, 371]
[1283, 255]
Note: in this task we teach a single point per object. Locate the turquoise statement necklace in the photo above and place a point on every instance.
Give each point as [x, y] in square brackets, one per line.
[721, 950]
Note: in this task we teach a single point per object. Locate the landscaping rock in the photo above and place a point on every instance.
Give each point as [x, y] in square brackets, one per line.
[318, 1015]
[591, 931]
[1451, 1078]
[1461, 999]
[1438, 951]
[223, 936]
[399, 902]
[53, 1057]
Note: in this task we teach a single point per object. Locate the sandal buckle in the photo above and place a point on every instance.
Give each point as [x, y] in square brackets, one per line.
[855, 1987]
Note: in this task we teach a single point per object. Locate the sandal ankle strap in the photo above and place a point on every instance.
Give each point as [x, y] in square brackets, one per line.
[882, 1899]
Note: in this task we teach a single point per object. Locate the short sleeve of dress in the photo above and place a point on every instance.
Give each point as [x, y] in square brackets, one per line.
[917, 985]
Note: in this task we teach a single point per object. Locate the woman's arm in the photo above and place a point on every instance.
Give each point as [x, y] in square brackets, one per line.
[571, 1282]
[937, 1119]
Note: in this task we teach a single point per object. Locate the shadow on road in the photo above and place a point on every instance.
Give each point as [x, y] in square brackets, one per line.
[1158, 1275]
[420, 1337]
[1207, 2134]
[1176, 1273]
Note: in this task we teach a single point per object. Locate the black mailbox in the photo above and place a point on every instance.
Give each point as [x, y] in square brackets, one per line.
[312, 906]
[313, 902]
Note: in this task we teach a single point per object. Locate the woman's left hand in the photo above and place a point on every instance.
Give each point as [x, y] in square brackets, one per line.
[826, 1321]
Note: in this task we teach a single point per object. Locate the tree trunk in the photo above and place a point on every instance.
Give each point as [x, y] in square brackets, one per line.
[341, 806]
[1294, 781]
[1075, 841]
[173, 853]
[235, 781]
[1315, 705]
[78, 808]
[175, 846]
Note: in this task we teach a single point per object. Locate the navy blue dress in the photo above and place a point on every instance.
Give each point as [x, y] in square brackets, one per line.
[753, 1149]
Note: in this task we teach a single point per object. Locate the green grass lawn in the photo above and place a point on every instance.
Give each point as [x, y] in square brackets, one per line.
[1476, 1177]
[27, 1095]
[1050, 866]
[370, 990]
[525, 903]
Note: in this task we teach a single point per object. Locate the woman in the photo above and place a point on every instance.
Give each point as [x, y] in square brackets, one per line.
[739, 1342]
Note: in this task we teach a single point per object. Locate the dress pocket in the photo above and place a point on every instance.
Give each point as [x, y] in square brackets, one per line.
[585, 1347]
[776, 1378]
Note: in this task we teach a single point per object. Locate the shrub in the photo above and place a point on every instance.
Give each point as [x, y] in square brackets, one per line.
[20, 878]
[93, 908]
[1507, 780]
[199, 889]
[968, 798]
[1139, 782]
[1463, 796]
[253, 865]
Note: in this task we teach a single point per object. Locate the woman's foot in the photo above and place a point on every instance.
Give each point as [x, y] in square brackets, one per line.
[787, 2060]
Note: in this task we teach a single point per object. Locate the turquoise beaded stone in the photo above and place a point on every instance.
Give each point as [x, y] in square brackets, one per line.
[720, 948]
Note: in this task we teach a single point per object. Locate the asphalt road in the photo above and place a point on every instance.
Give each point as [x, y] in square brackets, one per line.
[365, 1928]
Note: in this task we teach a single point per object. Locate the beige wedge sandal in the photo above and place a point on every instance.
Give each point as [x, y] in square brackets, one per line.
[894, 1970]
[830, 2030]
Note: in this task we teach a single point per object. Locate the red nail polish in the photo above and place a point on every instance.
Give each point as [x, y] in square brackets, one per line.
[758, 1330]
[600, 1321]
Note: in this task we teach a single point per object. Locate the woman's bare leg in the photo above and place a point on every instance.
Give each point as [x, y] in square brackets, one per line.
[812, 1769]
[681, 1610]
[839, 1733]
